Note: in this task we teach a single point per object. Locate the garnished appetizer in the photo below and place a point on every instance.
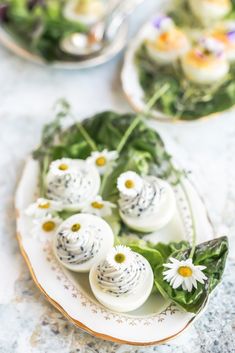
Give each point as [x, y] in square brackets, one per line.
[225, 34]
[167, 42]
[73, 182]
[123, 280]
[84, 11]
[146, 203]
[206, 63]
[210, 10]
[81, 240]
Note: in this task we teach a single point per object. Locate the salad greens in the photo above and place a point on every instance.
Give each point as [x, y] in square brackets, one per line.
[184, 99]
[143, 152]
[211, 254]
[39, 25]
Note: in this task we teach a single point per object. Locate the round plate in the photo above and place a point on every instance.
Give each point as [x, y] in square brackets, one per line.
[113, 49]
[156, 321]
[131, 85]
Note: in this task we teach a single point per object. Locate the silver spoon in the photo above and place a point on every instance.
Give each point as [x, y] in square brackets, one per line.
[101, 34]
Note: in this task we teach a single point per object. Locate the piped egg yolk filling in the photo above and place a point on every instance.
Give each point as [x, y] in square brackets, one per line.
[48, 226]
[45, 205]
[97, 205]
[185, 271]
[129, 184]
[168, 41]
[63, 167]
[75, 227]
[101, 161]
[200, 59]
[120, 258]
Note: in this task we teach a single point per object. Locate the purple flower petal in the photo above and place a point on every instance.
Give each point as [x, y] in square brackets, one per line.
[231, 35]
[157, 21]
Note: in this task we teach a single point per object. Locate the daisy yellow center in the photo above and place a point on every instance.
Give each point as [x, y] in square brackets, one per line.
[185, 271]
[63, 166]
[129, 184]
[97, 205]
[48, 226]
[44, 205]
[75, 227]
[101, 161]
[119, 258]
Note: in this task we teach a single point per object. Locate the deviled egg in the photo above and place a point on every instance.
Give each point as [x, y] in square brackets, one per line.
[206, 63]
[73, 182]
[85, 11]
[146, 204]
[166, 42]
[122, 281]
[210, 10]
[82, 240]
[225, 34]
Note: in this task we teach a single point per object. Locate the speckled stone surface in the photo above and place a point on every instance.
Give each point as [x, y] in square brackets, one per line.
[28, 323]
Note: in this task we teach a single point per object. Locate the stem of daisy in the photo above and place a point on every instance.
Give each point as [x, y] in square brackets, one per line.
[86, 136]
[45, 166]
[193, 221]
[157, 95]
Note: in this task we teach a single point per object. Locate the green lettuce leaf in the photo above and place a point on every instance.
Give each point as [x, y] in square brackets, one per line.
[211, 254]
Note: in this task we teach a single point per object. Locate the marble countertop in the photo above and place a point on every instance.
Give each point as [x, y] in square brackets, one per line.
[28, 323]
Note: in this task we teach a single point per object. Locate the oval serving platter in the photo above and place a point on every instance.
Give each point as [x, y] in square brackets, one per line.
[157, 320]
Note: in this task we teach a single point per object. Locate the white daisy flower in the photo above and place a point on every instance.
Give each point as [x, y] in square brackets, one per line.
[99, 207]
[42, 207]
[62, 166]
[183, 273]
[129, 184]
[44, 228]
[102, 160]
[119, 256]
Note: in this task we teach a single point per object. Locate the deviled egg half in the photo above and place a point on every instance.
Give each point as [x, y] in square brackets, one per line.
[72, 182]
[82, 240]
[206, 63]
[208, 11]
[225, 34]
[85, 11]
[166, 43]
[122, 281]
[146, 204]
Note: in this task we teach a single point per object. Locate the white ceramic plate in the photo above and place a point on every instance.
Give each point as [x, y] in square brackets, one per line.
[156, 321]
[107, 54]
[130, 78]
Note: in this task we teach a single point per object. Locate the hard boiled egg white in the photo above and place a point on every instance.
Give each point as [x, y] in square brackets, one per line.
[81, 241]
[74, 195]
[204, 69]
[210, 10]
[225, 34]
[160, 218]
[168, 46]
[86, 12]
[126, 302]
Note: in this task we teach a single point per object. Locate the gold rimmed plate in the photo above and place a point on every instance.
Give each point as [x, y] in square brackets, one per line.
[157, 321]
